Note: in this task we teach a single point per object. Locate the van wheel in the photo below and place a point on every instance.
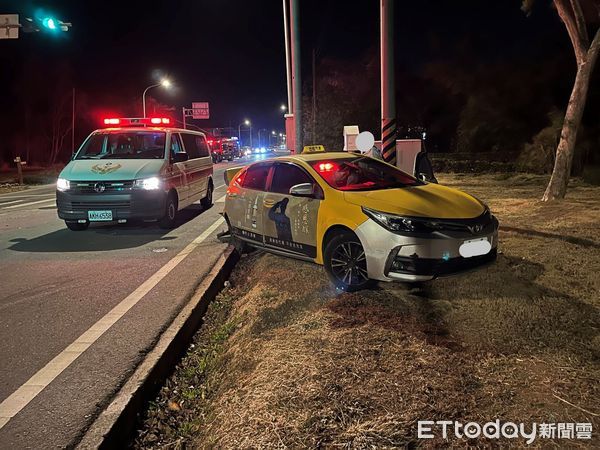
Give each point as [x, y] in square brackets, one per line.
[346, 263]
[207, 201]
[168, 221]
[76, 226]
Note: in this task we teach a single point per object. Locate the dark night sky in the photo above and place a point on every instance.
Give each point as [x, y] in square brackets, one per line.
[231, 52]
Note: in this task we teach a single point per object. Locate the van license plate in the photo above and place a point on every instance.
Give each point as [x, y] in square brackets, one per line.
[100, 216]
[475, 247]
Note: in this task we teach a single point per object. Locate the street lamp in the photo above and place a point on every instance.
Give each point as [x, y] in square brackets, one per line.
[249, 125]
[164, 83]
[283, 107]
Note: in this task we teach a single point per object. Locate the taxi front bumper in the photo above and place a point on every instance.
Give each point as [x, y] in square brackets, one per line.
[395, 257]
[133, 204]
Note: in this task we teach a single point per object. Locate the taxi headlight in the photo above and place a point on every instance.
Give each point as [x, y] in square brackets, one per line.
[62, 184]
[399, 224]
[149, 184]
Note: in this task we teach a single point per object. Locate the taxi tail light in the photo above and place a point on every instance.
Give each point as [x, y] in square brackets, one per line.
[325, 167]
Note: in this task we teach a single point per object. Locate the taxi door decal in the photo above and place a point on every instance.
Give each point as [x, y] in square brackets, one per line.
[290, 223]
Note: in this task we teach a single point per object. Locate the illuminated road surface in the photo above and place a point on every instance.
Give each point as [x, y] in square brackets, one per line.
[57, 284]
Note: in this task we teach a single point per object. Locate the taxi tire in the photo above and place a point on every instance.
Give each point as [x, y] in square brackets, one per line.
[170, 217]
[338, 241]
[207, 201]
[76, 226]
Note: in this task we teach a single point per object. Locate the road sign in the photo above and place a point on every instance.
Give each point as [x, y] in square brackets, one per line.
[200, 110]
[9, 26]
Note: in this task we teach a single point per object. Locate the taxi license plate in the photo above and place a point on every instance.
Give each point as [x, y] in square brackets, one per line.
[475, 247]
[100, 216]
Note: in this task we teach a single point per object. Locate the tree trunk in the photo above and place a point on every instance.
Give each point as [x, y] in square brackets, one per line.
[557, 187]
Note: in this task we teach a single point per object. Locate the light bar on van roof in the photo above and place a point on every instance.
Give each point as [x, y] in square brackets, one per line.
[136, 122]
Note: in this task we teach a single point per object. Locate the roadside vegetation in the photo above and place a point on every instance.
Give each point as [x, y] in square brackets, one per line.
[283, 360]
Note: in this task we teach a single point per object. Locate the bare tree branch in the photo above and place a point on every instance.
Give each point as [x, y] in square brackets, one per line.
[566, 14]
[580, 22]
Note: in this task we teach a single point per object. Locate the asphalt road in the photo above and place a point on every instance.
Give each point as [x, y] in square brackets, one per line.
[57, 285]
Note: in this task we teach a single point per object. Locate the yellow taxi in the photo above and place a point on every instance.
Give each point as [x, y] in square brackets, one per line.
[360, 217]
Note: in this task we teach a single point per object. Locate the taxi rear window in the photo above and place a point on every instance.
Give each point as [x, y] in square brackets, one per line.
[124, 145]
[361, 174]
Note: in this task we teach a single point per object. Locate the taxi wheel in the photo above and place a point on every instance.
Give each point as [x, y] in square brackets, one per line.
[168, 221]
[76, 226]
[346, 263]
[207, 201]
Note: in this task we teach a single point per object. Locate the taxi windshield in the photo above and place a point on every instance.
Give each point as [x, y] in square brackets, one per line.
[362, 174]
[124, 145]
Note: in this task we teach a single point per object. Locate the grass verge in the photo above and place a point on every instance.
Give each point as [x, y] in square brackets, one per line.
[285, 361]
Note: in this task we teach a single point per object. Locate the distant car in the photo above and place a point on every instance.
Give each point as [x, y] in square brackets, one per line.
[361, 218]
[135, 169]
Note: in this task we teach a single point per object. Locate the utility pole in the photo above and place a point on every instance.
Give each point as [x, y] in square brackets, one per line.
[73, 124]
[296, 73]
[289, 116]
[388, 91]
[314, 98]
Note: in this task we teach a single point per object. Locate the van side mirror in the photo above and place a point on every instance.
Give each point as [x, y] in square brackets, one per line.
[303, 190]
[179, 157]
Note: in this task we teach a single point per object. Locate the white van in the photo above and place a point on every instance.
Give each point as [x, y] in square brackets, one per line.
[135, 169]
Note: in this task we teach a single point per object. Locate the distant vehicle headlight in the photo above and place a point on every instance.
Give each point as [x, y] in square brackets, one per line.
[62, 184]
[149, 184]
[400, 224]
[262, 149]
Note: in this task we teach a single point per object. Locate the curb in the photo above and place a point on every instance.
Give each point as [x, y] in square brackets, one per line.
[114, 427]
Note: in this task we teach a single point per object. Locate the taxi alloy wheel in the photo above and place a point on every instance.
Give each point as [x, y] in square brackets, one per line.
[346, 263]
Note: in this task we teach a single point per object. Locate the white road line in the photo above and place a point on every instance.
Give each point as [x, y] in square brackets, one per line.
[30, 203]
[45, 186]
[8, 203]
[221, 200]
[51, 194]
[38, 382]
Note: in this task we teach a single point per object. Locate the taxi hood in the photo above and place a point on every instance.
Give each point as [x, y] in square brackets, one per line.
[112, 169]
[428, 200]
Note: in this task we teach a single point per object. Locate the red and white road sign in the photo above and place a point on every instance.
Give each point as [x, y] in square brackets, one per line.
[200, 110]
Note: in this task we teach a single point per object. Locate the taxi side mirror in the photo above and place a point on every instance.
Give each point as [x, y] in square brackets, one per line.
[230, 174]
[303, 190]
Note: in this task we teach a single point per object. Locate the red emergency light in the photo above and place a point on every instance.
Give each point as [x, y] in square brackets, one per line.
[136, 122]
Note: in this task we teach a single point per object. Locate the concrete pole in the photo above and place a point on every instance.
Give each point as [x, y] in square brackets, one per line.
[288, 70]
[73, 124]
[388, 91]
[296, 73]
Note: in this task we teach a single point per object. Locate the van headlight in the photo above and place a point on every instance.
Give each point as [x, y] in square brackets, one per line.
[148, 184]
[63, 185]
[399, 224]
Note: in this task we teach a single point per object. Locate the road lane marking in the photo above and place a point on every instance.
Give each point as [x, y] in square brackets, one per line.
[13, 404]
[8, 203]
[45, 186]
[30, 203]
[221, 200]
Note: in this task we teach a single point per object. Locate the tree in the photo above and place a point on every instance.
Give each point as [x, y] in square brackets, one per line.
[577, 15]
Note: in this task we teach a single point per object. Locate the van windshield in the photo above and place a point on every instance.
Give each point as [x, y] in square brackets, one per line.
[124, 145]
[361, 174]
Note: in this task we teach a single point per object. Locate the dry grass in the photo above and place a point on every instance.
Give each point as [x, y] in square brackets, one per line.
[285, 361]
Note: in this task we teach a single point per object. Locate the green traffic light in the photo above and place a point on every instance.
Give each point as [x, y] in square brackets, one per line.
[49, 23]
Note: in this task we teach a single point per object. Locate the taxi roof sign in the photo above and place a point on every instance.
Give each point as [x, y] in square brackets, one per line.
[313, 149]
